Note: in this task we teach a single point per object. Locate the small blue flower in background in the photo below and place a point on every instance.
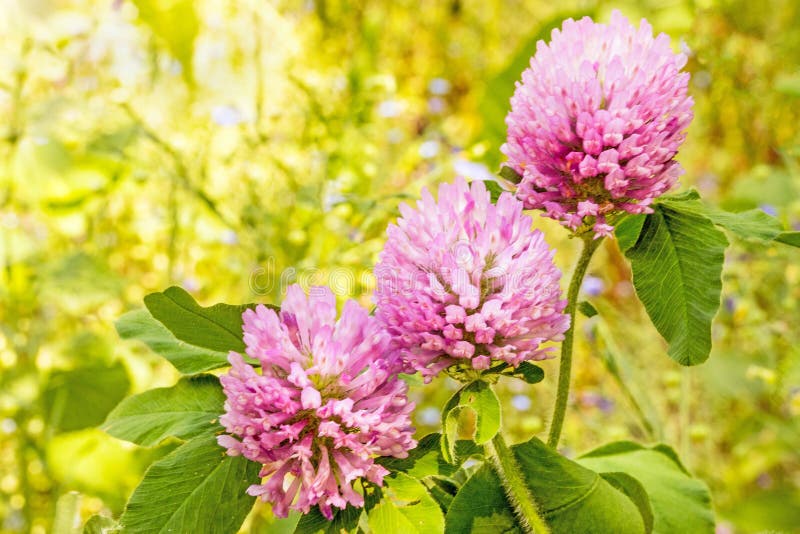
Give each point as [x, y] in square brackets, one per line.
[429, 416]
[436, 105]
[769, 209]
[229, 237]
[602, 403]
[439, 86]
[592, 286]
[429, 149]
[226, 116]
[521, 402]
[390, 108]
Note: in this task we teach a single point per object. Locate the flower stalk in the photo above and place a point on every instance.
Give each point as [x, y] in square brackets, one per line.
[515, 487]
[590, 245]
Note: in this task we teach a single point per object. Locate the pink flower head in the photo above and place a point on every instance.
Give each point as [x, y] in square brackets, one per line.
[466, 281]
[597, 120]
[326, 402]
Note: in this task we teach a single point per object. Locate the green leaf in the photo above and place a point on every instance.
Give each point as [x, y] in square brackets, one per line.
[188, 409]
[635, 492]
[751, 224]
[186, 358]
[192, 338]
[683, 196]
[83, 397]
[494, 189]
[570, 497]
[176, 24]
[423, 461]
[218, 327]
[315, 523]
[473, 412]
[680, 502]
[510, 174]
[530, 373]
[406, 507]
[481, 398]
[460, 424]
[442, 489]
[586, 308]
[100, 524]
[789, 238]
[628, 230]
[677, 267]
[195, 488]
[481, 506]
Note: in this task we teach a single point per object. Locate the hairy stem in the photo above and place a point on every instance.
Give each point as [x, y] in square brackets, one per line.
[565, 367]
[515, 487]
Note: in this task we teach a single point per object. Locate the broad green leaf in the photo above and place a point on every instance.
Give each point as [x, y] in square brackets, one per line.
[188, 409]
[677, 267]
[473, 413]
[406, 507]
[186, 358]
[195, 488]
[315, 523]
[635, 492]
[218, 327]
[789, 238]
[193, 338]
[442, 489]
[628, 230]
[530, 373]
[100, 524]
[571, 498]
[423, 461]
[176, 24]
[680, 502]
[83, 397]
[683, 196]
[481, 506]
[751, 224]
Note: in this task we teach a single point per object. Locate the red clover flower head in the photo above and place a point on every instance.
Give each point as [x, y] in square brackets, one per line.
[596, 122]
[466, 281]
[326, 402]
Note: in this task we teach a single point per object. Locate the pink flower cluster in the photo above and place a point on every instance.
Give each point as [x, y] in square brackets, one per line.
[597, 120]
[462, 282]
[465, 280]
[326, 402]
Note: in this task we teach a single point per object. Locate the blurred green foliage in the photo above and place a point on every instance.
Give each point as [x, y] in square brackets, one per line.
[219, 144]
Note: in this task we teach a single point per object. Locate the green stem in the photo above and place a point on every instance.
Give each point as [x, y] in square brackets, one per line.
[565, 367]
[516, 489]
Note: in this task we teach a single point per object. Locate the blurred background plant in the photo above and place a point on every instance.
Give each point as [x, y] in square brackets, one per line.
[226, 146]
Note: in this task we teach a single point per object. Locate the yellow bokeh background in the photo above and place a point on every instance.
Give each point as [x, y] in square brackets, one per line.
[233, 146]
